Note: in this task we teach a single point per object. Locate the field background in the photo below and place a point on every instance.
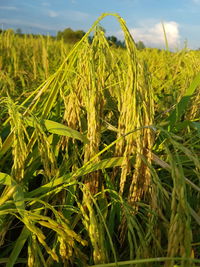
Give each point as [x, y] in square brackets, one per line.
[99, 153]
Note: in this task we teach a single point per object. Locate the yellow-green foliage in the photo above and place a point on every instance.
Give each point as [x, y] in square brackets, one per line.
[26, 61]
[99, 153]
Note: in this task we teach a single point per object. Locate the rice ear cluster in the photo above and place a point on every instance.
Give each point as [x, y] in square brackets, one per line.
[135, 111]
[94, 227]
[180, 234]
[19, 147]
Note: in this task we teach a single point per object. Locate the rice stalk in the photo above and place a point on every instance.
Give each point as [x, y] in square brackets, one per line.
[180, 235]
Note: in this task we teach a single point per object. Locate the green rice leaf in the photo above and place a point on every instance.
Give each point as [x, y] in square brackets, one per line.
[18, 197]
[18, 194]
[195, 215]
[196, 125]
[5, 179]
[6, 145]
[181, 107]
[19, 244]
[61, 129]
[85, 169]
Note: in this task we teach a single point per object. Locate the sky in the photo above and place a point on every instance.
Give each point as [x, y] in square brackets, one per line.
[144, 18]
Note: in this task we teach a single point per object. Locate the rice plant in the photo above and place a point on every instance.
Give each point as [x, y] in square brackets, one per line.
[99, 157]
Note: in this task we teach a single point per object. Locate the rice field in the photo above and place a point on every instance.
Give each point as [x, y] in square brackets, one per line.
[99, 153]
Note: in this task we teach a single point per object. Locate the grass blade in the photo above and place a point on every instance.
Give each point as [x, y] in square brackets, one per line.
[19, 244]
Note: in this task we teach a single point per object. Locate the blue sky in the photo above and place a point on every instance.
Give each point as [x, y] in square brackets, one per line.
[144, 18]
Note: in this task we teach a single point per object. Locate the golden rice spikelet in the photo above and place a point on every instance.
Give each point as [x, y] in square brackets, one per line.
[72, 112]
[127, 122]
[94, 228]
[46, 153]
[31, 257]
[194, 108]
[142, 177]
[64, 253]
[33, 260]
[180, 234]
[135, 111]
[145, 140]
[19, 147]
[94, 79]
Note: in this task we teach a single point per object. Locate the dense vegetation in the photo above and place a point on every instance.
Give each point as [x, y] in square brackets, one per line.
[70, 36]
[99, 153]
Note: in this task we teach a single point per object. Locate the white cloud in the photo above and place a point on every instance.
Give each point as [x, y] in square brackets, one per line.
[8, 8]
[154, 35]
[52, 13]
[46, 4]
[69, 14]
[76, 15]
